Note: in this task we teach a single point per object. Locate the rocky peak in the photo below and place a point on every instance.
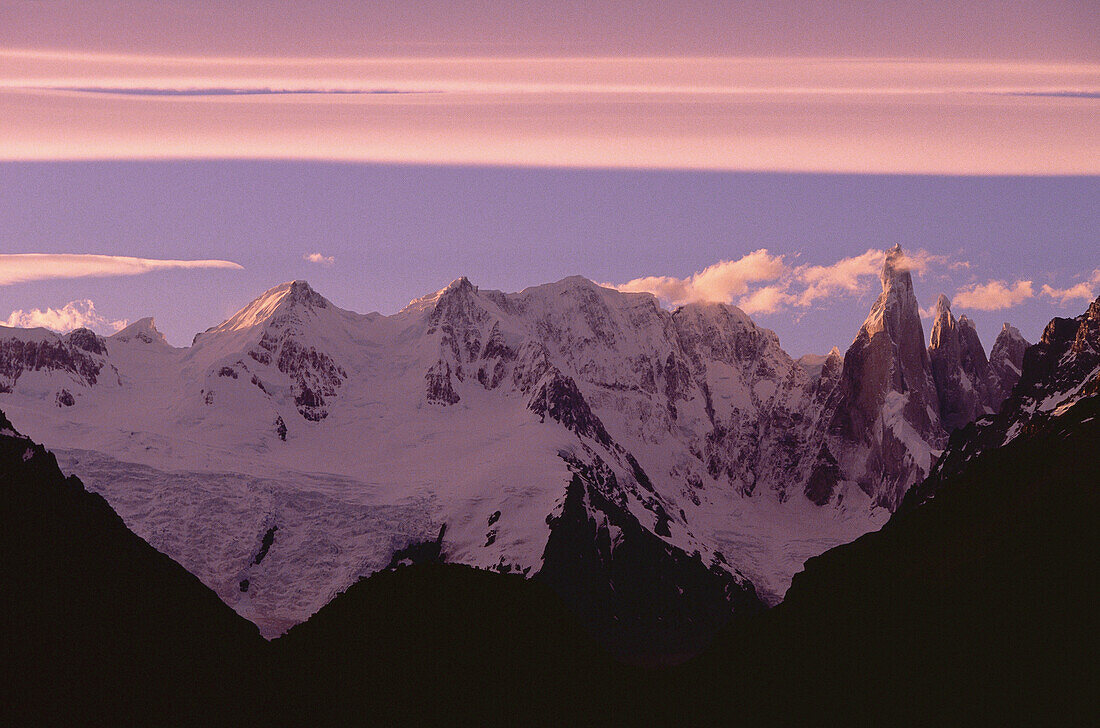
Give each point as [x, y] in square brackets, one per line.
[896, 306]
[941, 315]
[290, 332]
[299, 293]
[455, 302]
[1067, 354]
[944, 334]
[1006, 360]
[833, 361]
[143, 331]
[965, 385]
[86, 340]
[1087, 339]
[886, 426]
[1054, 376]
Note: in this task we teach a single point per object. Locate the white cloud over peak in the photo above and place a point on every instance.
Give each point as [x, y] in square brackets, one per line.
[23, 267]
[73, 315]
[846, 276]
[768, 299]
[737, 281]
[993, 296]
[320, 259]
[719, 283]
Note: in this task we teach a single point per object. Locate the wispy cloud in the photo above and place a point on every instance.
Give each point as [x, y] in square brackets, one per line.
[993, 296]
[73, 315]
[23, 267]
[788, 286]
[1086, 290]
[319, 258]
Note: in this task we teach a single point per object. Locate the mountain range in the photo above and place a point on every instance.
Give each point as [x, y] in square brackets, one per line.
[973, 603]
[660, 470]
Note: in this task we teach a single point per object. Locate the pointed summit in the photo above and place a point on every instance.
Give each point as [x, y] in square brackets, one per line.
[943, 323]
[290, 335]
[300, 293]
[143, 331]
[894, 265]
[943, 306]
[283, 299]
[896, 308]
[460, 286]
[964, 383]
[886, 425]
[1006, 360]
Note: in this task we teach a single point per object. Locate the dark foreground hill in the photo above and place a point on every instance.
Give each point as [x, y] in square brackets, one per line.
[97, 626]
[976, 604]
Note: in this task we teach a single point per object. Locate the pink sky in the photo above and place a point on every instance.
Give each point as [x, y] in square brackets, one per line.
[751, 114]
[865, 87]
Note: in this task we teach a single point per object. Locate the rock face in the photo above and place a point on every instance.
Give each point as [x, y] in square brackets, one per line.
[885, 425]
[77, 358]
[964, 381]
[1006, 360]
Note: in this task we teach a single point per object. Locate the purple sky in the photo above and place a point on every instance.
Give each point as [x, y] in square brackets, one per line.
[396, 232]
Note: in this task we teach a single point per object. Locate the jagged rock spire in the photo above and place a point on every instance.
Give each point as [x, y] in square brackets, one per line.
[964, 382]
[886, 424]
[1006, 360]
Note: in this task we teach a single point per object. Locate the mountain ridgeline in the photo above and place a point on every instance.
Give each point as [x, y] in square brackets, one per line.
[569, 433]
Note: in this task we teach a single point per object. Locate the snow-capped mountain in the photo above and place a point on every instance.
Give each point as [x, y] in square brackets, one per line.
[657, 467]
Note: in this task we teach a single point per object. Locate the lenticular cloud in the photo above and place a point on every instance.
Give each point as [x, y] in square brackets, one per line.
[23, 267]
